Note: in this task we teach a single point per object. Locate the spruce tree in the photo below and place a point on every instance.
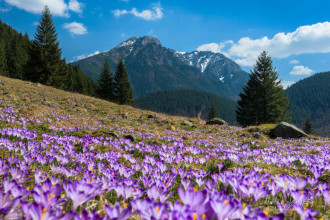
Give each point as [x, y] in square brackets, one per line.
[262, 100]
[123, 90]
[105, 83]
[45, 54]
[308, 126]
[213, 113]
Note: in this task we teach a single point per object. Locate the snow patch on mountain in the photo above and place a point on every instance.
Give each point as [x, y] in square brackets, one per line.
[127, 43]
[204, 65]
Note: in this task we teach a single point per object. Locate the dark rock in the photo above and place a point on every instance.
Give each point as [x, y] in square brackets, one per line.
[186, 122]
[286, 130]
[113, 134]
[152, 116]
[2, 83]
[216, 121]
[130, 137]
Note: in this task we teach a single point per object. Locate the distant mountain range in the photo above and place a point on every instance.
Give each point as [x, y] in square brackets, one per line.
[310, 98]
[152, 67]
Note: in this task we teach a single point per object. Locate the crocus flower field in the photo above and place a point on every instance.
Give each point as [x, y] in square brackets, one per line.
[66, 156]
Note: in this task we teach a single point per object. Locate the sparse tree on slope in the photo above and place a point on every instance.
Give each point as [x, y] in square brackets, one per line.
[262, 100]
[213, 113]
[308, 126]
[105, 83]
[45, 63]
[123, 90]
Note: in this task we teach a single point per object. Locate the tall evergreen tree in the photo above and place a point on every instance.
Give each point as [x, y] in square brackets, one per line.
[213, 113]
[123, 91]
[262, 100]
[308, 126]
[45, 54]
[105, 83]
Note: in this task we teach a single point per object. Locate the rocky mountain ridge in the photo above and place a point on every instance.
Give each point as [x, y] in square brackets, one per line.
[152, 68]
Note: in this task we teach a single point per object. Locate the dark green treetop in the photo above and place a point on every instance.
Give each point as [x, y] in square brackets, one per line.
[123, 91]
[45, 54]
[308, 126]
[105, 83]
[213, 113]
[262, 100]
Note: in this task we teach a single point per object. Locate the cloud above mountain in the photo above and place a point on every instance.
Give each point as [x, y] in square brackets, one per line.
[306, 39]
[301, 70]
[57, 7]
[155, 14]
[75, 28]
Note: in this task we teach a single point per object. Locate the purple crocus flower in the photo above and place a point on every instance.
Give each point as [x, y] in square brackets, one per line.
[128, 191]
[116, 213]
[197, 200]
[199, 181]
[284, 207]
[156, 192]
[305, 213]
[312, 181]
[317, 171]
[220, 165]
[274, 189]
[79, 192]
[186, 183]
[260, 192]
[8, 185]
[47, 199]
[39, 176]
[300, 197]
[20, 192]
[297, 183]
[37, 212]
[6, 203]
[223, 208]
[326, 195]
[211, 185]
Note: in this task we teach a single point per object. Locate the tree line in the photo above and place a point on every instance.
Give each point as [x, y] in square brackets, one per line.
[40, 61]
[189, 103]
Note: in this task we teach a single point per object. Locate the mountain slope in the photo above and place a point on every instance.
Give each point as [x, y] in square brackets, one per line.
[310, 98]
[188, 103]
[152, 68]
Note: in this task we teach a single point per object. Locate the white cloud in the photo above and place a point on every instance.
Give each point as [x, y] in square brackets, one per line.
[301, 70]
[214, 47]
[75, 28]
[287, 84]
[83, 56]
[36, 23]
[148, 15]
[304, 40]
[57, 7]
[75, 6]
[294, 62]
[124, 0]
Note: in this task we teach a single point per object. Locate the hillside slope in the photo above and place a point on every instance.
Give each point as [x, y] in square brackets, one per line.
[152, 67]
[69, 156]
[310, 98]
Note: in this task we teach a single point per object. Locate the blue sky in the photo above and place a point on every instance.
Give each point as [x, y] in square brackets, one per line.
[296, 33]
